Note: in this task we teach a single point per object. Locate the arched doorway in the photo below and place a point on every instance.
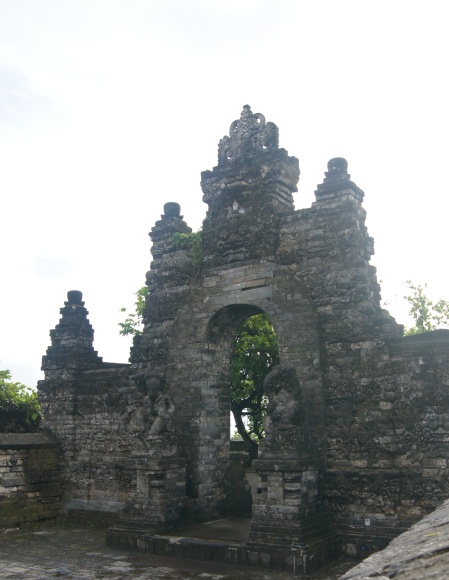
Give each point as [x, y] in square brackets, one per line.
[198, 373]
[254, 355]
[228, 326]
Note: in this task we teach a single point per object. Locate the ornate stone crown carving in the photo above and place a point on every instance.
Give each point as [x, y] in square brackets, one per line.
[248, 135]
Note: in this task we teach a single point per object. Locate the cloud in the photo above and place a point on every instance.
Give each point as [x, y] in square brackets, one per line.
[51, 267]
[22, 109]
[206, 25]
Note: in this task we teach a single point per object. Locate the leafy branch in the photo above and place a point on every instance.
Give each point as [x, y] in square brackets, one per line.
[132, 324]
[255, 355]
[428, 315]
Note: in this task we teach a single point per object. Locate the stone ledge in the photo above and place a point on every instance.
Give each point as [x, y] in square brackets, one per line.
[205, 550]
[26, 440]
[425, 340]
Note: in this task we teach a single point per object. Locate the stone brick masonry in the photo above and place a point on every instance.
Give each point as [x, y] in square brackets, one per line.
[30, 483]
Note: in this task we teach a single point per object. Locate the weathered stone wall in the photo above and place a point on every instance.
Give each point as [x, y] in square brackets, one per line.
[97, 432]
[96, 414]
[387, 438]
[30, 483]
[421, 552]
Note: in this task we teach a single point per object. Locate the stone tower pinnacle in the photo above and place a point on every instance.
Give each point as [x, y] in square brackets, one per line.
[71, 340]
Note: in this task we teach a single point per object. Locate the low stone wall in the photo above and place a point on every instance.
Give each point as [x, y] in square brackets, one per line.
[387, 430]
[421, 552]
[98, 421]
[30, 486]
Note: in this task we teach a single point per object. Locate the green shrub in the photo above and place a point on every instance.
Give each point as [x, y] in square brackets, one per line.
[19, 406]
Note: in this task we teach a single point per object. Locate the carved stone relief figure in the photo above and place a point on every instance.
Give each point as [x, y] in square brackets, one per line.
[282, 422]
[162, 408]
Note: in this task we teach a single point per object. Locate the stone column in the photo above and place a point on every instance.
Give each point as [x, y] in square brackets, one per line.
[289, 529]
[158, 500]
[167, 281]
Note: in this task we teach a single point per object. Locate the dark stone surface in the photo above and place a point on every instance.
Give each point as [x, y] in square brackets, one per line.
[421, 552]
[30, 479]
[26, 440]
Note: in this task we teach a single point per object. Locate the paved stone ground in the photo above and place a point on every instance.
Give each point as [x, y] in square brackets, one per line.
[79, 554]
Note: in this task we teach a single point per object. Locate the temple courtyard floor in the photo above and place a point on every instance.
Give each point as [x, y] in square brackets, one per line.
[81, 554]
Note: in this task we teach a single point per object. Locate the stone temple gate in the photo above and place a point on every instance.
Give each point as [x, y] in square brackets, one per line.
[357, 447]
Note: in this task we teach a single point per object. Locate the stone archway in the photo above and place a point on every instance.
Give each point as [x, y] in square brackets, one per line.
[198, 369]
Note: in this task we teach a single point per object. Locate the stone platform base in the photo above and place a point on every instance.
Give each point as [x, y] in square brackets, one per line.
[214, 549]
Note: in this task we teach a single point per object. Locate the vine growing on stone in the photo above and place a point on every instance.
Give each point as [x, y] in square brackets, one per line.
[192, 242]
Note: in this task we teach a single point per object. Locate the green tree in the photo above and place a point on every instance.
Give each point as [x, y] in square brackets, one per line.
[133, 322]
[19, 406]
[428, 315]
[255, 355]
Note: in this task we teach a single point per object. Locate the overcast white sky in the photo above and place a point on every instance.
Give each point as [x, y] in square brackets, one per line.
[109, 109]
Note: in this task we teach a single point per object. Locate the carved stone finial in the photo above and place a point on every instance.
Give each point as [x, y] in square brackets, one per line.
[337, 181]
[337, 168]
[172, 209]
[248, 135]
[75, 297]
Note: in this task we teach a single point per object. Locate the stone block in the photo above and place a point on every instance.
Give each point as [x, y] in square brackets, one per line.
[253, 558]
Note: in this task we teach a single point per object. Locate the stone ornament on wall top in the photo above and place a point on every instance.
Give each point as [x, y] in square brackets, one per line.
[248, 135]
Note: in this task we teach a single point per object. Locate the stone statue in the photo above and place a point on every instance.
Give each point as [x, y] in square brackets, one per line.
[162, 408]
[281, 386]
[283, 417]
